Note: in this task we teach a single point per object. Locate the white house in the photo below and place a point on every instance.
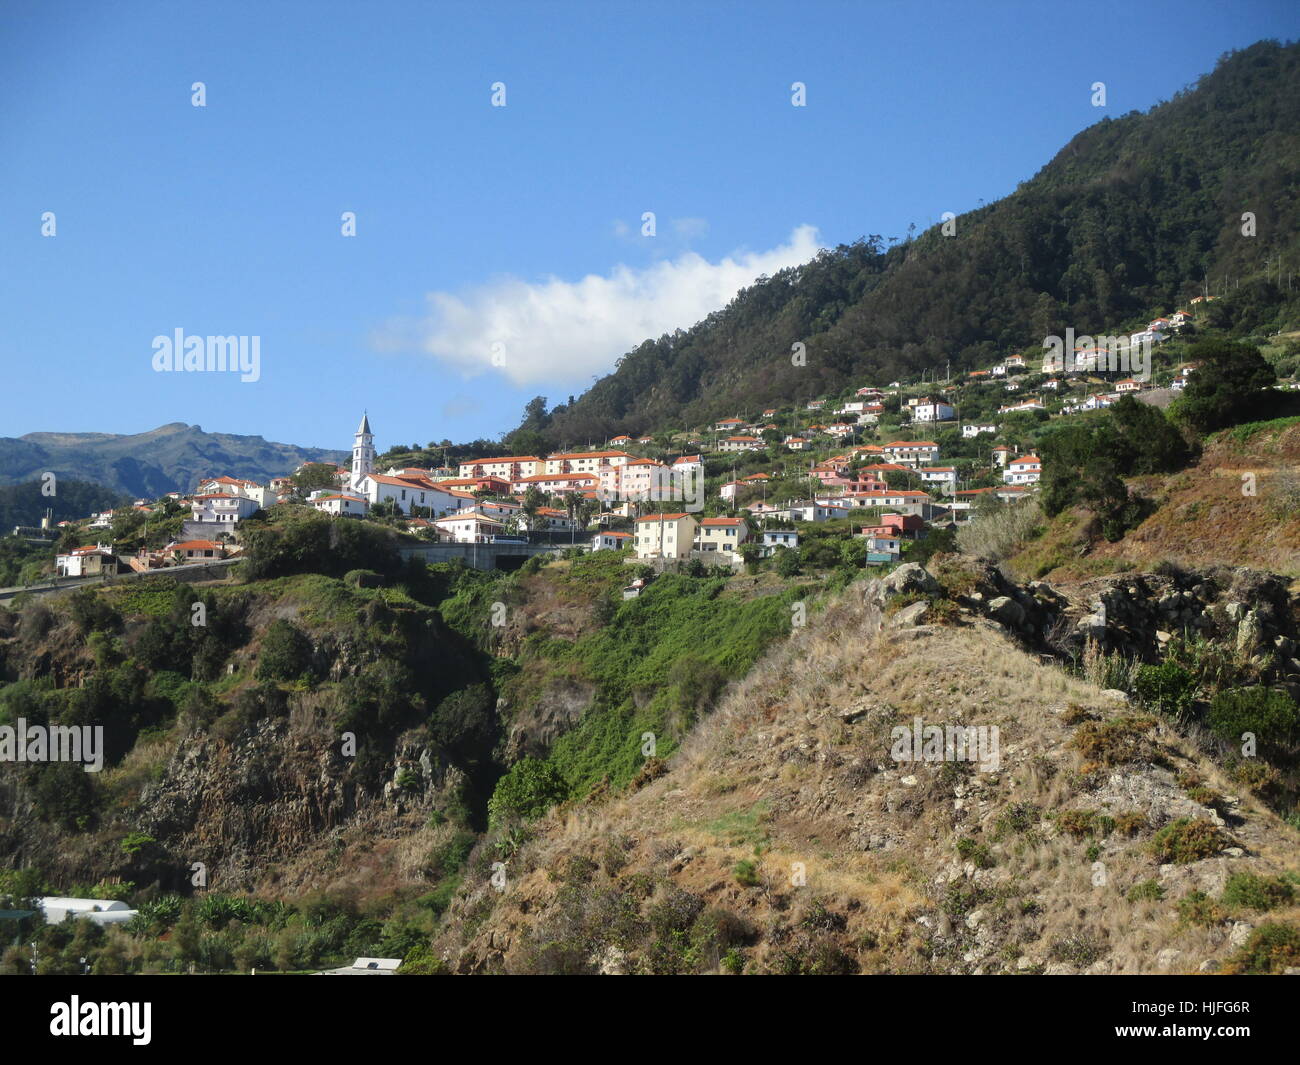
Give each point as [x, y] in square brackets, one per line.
[58, 909]
[944, 476]
[611, 541]
[721, 534]
[665, 536]
[742, 443]
[86, 561]
[912, 452]
[340, 505]
[469, 527]
[548, 519]
[937, 411]
[819, 511]
[968, 431]
[1025, 469]
[774, 538]
[223, 508]
[412, 491]
[1023, 405]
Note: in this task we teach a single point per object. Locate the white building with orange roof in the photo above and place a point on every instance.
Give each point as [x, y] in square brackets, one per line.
[469, 527]
[1024, 469]
[341, 504]
[410, 491]
[742, 443]
[557, 483]
[507, 467]
[583, 461]
[223, 508]
[912, 452]
[611, 541]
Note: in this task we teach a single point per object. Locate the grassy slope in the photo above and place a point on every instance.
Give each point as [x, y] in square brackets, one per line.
[1202, 516]
[778, 777]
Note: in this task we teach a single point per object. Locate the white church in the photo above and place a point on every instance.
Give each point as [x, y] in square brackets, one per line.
[406, 488]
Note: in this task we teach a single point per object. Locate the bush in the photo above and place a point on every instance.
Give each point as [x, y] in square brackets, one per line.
[464, 723]
[1146, 891]
[66, 794]
[1119, 741]
[1167, 688]
[285, 654]
[1187, 840]
[527, 791]
[1272, 716]
[1197, 908]
[1077, 823]
[971, 851]
[1253, 892]
[1271, 948]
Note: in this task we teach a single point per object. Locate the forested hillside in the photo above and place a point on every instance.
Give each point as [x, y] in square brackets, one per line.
[1134, 216]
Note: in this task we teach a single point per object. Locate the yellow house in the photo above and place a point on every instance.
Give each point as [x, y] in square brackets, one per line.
[665, 536]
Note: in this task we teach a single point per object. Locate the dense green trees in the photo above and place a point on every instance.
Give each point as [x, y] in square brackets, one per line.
[1228, 386]
[1133, 217]
[314, 543]
[1084, 458]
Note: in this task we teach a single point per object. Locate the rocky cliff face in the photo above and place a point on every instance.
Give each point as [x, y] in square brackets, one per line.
[1255, 614]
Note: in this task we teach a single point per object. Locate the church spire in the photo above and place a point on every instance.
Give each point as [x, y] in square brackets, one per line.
[363, 452]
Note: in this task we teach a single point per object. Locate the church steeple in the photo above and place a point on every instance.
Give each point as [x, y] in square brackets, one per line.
[363, 452]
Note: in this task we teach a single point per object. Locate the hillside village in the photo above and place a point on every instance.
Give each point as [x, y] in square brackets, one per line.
[877, 467]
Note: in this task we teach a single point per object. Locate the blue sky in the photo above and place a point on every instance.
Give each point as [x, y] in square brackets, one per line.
[499, 250]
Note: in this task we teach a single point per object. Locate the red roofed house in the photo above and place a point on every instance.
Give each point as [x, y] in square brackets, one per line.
[1025, 469]
[665, 536]
[722, 534]
[611, 541]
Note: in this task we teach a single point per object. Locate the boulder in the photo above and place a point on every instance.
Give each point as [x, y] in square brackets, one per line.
[909, 615]
[910, 577]
[1007, 610]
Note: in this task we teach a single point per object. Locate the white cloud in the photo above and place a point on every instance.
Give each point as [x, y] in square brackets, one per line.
[566, 331]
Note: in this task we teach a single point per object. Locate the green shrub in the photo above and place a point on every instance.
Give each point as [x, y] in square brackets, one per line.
[1271, 715]
[978, 853]
[1146, 891]
[1253, 892]
[1271, 948]
[527, 791]
[746, 873]
[1187, 840]
[1167, 688]
[285, 653]
[1197, 908]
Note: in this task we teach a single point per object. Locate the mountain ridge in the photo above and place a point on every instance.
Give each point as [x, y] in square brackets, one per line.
[169, 458]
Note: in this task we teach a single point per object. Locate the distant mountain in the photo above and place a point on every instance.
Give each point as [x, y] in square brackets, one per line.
[1132, 218]
[171, 458]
